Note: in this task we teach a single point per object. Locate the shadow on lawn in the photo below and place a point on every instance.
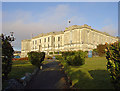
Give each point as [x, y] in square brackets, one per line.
[94, 79]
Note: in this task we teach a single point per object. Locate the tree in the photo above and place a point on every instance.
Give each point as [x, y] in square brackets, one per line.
[7, 54]
[113, 63]
[101, 50]
[36, 58]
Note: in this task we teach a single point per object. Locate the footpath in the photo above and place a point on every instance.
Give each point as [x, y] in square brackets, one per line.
[50, 77]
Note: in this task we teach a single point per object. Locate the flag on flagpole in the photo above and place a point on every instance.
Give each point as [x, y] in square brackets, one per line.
[69, 21]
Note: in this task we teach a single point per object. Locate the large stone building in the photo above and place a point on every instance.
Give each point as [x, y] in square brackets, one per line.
[72, 38]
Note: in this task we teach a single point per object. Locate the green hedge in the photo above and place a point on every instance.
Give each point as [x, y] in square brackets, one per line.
[36, 58]
[48, 57]
[50, 52]
[55, 52]
[74, 58]
[58, 57]
[113, 63]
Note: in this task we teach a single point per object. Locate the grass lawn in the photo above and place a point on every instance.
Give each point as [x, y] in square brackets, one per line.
[92, 75]
[19, 68]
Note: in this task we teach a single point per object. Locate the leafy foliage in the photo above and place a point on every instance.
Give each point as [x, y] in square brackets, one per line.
[65, 54]
[59, 52]
[113, 64]
[48, 57]
[58, 57]
[7, 54]
[55, 52]
[101, 50]
[75, 58]
[95, 52]
[51, 53]
[36, 58]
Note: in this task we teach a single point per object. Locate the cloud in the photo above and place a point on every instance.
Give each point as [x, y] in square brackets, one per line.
[24, 23]
[110, 29]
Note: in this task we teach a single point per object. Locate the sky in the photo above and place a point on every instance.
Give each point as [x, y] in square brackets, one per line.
[32, 18]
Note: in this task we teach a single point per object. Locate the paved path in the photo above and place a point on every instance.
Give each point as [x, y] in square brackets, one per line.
[50, 77]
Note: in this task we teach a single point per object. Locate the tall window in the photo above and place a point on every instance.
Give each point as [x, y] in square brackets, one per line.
[54, 39]
[40, 40]
[58, 38]
[33, 42]
[36, 42]
[44, 39]
[48, 39]
[58, 45]
[48, 45]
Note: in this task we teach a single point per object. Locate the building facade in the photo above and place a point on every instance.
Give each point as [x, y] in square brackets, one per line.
[72, 38]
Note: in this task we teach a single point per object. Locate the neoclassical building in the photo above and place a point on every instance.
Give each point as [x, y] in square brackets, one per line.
[72, 38]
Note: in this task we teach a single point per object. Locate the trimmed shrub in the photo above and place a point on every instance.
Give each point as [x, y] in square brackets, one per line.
[65, 54]
[36, 58]
[7, 54]
[58, 52]
[48, 57]
[75, 58]
[113, 63]
[86, 54]
[50, 52]
[95, 52]
[55, 52]
[58, 57]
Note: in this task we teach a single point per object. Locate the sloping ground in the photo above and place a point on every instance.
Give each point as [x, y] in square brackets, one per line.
[92, 75]
[50, 77]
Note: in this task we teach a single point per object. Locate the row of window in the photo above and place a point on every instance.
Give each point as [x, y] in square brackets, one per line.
[45, 40]
[47, 46]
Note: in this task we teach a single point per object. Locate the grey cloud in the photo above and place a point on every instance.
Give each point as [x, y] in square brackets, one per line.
[54, 19]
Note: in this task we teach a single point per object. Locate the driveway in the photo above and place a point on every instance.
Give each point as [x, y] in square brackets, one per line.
[50, 77]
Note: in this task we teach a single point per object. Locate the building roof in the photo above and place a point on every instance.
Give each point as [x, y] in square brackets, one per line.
[50, 33]
[26, 40]
[86, 26]
[71, 28]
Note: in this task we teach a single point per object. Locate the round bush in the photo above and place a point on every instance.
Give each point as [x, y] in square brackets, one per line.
[77, 59]
[36, 58]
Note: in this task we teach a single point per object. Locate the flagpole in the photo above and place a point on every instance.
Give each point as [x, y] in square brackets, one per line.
[69, 23]
[70, 33]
